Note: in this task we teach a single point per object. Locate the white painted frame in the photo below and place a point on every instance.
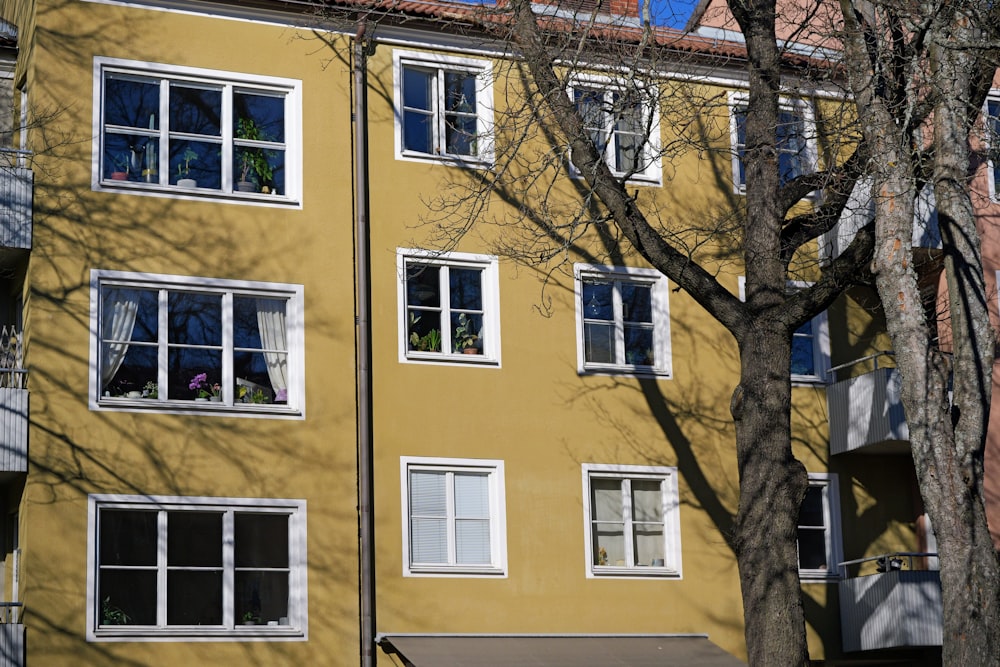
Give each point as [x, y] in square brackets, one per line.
[289, 89]
[738, 100]
[989, 137]
[831, 516]
[653, 173]
[231, 629]
[661, 319]
[494, 468]
[489, 265]
[295, 407]
[667, 476]
[483, 69]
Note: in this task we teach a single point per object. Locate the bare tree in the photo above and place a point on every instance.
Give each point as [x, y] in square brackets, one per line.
[914, 66]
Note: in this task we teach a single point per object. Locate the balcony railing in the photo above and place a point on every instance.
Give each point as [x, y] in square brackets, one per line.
[894, 607]
[13, 403]
[16, 191]
[11, 635]
[866, 411]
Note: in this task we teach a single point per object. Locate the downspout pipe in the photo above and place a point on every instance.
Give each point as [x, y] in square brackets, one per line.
[366, 528]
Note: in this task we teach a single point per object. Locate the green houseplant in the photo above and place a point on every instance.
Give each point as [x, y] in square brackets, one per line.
[184, 179]
[255, 170]
[466, 336]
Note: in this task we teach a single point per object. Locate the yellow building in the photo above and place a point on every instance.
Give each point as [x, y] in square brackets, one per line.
[533, 456]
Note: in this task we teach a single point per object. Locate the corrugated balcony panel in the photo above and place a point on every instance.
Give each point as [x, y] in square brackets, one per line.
[13, 430]
[899, 608]
[16, 187]
[866, 413]
[12, 645]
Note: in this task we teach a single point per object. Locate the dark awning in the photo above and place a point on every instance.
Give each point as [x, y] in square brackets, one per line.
[453, 650]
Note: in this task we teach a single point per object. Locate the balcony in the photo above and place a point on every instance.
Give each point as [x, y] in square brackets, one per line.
[866, 412]
[16, 192]
[892, 607]
[13, 404]
[11, 635]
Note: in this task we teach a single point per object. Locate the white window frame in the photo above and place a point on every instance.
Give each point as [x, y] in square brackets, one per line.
[991, 135]
[653, 173]
[667, 476]
[294, 408]
[290, 89]
[820, 341]
[738, 101]
[489, 265]
[832, 535]
[661, 320]
[231, 629]
[482, 69]
[494, 469]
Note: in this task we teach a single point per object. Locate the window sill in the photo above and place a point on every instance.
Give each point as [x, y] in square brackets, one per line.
[818, 578]
[125, 404]
[469, 161]
[154, 189]
[454, 571]
[452, 359]
[631, 371]
[630, 572]
[239, 633]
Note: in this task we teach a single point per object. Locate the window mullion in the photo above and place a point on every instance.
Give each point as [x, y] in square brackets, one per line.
[163, 140]
[619, 322]
[627, 527]
[227, 138]
[161, 568]
[162, 346]
[228, 568]
[444, 289]
[227, 348]
[450, 514]
[438, 113]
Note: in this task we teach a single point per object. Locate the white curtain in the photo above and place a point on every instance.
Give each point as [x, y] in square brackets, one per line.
[118, 311]
[274, 337]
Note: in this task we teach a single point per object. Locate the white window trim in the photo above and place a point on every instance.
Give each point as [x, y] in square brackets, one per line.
[498, 516]
[988, 135]
[661, 320]
[671, 522]
[291, 88]
[484, 104]
[489, 265]
[831, 512]
[821, 339]
[295, 334]
[739, 99]
[653, 174]
[296, 630]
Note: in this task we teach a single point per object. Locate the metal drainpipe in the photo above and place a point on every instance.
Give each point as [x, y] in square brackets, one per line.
[363, 338]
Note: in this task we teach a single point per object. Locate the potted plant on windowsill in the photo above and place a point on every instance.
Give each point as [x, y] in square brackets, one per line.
[466, 336]
[429, 342]
[255, 170]
[249, 618]
[184, 179]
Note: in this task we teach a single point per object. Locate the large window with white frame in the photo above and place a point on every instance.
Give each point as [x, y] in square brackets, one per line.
[623, 320]
[448, 306]
[444, 107]
[991, 120]
[820, 549]
[453, 517]
[196, 132]
[794, 139]
[161, 342]
[623, 124]
[632, 520]
[810, 343]
[175, 567]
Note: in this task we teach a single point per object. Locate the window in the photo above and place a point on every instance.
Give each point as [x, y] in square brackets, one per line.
[632, 520]
[195, 132]
[181, 344]
[810, 344]
[622, 127]
[623, 323]
[453, 515]
[795, 154]
[444, 107]
[449, 307]
[181, 567]
[820, 551]
[992, 120]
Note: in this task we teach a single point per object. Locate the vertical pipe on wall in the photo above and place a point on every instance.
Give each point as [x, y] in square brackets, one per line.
[363, 347]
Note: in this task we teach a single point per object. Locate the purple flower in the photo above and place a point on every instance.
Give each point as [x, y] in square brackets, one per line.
[281, 395]
[198, 380]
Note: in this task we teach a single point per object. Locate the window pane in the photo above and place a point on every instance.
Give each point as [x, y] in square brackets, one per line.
[428, 541]
[423, 285]
[185, 367]
[609, 544]
[126, 155]
[418, 96]
[598, 300]
[648, 544]
[803, 358]
[427, 493]
[639, 346]
[599, 342]
[127, 597]
[131, 101]
[266, 111]
[194, 318]
[812, 549]
[194, 539]
[261, 540]
[637, 302]
[128, 537]
[466, 286]
[472, 542]
[472, 495]
[198, 160]
[811, 513]
[195, 110]
[606, 499]
[647, 501]
[263, 594]
[194, 597]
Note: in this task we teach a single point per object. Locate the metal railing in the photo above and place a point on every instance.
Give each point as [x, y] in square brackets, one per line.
[887, 562]
[12, 371]
[10, 612]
